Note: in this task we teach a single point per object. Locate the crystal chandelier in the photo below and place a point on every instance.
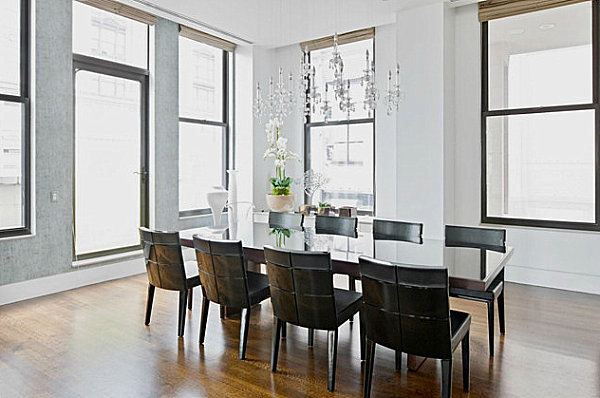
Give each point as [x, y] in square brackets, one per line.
[280, 100]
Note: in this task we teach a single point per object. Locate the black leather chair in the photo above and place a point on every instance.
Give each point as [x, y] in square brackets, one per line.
[302, 294]
[342, 226]
[481, 238]
[407, 309]
[485, 239]
[286, 220]
[226, 281]
[397, 230]
[166, 270]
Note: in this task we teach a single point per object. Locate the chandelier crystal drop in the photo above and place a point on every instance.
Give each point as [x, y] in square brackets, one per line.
[394, 95]
[368, 82]
[281, 99]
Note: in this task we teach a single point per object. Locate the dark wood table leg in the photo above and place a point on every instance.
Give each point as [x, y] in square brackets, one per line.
[414, 362]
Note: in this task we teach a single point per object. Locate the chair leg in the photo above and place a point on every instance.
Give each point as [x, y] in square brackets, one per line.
[490, 308]
[465, 363]
[283, 330]
[398, 360]
[182, 305]
[190, 298]
[362, 328]
[352, 288]
[370, 348]
[501, 312]
[149, 302]
[446, 378]
[204, 318]
[275, 345]
[244, 326]
[311, 337]
[332, 340]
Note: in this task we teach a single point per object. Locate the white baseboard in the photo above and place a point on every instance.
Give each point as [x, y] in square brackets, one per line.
[553, 279]
[69, 280]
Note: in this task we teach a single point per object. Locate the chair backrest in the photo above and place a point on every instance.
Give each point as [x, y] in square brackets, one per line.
[222, 271]
[397, 230]
[164, 261]
[407, 308]
[481, 238]
[286, 220]
[301, 287]
[344, 226]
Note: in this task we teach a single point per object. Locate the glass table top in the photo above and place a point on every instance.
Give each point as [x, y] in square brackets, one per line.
[467, 264]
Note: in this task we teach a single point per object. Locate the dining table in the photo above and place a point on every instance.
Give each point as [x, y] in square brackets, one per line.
[470, 268]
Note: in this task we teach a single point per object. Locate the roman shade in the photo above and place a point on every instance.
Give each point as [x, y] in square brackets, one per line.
[206, 38]
[123, 10]
[343, 38]
[494, 9]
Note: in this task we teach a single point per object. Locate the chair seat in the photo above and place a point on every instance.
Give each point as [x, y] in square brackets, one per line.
[258, 286]
[347, 303]
[460, 323]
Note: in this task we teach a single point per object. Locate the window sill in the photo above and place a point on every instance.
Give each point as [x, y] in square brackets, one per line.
[24, 235]
[112, 258]
[541, 224]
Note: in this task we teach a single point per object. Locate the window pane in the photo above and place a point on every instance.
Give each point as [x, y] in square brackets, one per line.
[107, 158]
[102, 34]
[200, 163]
[10, 47]
[344, 154]
[200, 81]
[541, 166]
[11, 173]
[353, 55]
[541, 58]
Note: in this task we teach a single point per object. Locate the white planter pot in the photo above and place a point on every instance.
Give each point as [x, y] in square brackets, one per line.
[281, 203]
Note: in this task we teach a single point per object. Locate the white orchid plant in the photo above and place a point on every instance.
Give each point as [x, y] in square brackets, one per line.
[277, 149]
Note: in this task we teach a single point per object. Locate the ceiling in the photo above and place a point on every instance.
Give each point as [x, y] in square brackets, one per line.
[275, 23]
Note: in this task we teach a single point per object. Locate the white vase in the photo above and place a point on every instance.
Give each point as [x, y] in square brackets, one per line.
[232, 200]
[281, 203]
[217, 198]
[232, 188]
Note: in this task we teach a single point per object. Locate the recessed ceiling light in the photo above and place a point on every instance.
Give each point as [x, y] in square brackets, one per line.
[547, 26]
[518, 31]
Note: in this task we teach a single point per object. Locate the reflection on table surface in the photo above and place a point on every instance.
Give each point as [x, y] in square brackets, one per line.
[463, 263]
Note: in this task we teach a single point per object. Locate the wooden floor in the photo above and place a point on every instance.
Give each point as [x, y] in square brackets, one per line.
[91, 342]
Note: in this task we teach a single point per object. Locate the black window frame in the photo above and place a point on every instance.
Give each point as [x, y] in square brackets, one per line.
[487, 113]
[308, 124]
[225, 128]
[112, 68]
[24, 98]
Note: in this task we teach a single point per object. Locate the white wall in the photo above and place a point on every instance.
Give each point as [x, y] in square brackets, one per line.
[385, 125]
[244, 123]
[552, 258]
[420, 141]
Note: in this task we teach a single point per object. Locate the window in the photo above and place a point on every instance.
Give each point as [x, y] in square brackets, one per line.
[101, 34]
[111, 135]
[540, 118]
[203, 123]
[342, 149]
[15, 213]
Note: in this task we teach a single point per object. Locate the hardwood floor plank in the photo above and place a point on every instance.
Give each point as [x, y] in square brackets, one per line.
[92, 342]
